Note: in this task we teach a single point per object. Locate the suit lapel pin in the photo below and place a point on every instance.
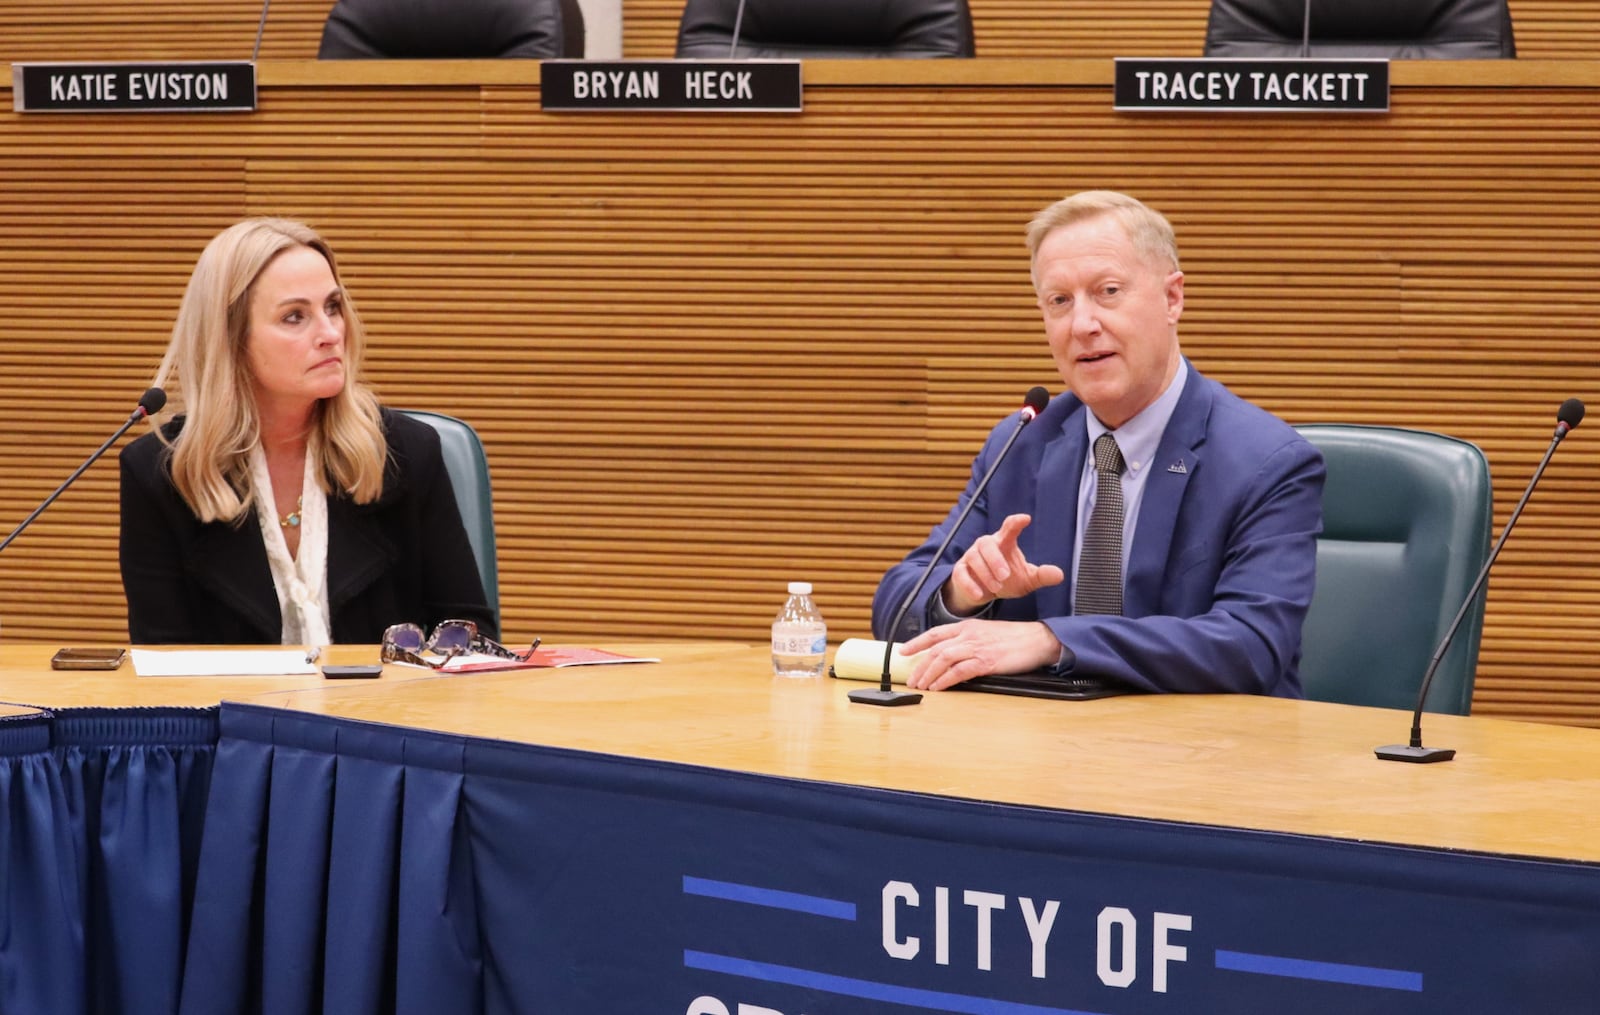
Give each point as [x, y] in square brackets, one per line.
[1178, 467]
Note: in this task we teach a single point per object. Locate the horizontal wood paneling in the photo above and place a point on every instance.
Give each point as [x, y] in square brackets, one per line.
[158, 29]
[711, 354]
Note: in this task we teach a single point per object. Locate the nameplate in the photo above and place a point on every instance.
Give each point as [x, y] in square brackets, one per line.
[737, 86]
[1255, 86]
[133, 87]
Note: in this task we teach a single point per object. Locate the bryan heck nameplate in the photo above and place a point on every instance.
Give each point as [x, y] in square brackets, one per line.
[133, 87]
[741, 86]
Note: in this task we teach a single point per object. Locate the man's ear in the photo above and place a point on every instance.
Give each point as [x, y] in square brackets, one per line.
[1174, 286]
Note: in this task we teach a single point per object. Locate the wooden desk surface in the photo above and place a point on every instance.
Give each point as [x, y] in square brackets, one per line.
[1287, 766]
[1299, 767]
[27, 679]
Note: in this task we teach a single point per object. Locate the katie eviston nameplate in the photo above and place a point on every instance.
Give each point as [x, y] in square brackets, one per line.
[732, 86]
[181, 87]
[1221, 84]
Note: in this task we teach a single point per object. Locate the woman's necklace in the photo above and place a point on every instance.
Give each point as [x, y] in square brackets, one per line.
[292, 519]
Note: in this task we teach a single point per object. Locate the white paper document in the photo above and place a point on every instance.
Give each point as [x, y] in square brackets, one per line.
[271, 662]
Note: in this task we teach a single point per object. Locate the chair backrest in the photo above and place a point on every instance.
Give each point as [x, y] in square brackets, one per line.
[469, 477]
[452, 29]
[1406, 518]
[825, 29]
[1396, 29]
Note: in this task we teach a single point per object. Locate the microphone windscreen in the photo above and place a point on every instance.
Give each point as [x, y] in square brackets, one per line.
[1036, 399]
[1571, 412]
[155, 398]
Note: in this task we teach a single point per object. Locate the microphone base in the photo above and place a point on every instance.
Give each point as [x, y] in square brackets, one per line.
[878, 696]
[1416, 755]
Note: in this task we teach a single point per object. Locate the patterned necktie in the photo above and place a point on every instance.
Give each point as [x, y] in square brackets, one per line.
[1100, 570]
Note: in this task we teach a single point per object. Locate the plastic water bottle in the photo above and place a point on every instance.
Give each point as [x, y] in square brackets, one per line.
[799, 635]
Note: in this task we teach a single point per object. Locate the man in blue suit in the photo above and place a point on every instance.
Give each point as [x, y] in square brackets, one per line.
[1216, 503]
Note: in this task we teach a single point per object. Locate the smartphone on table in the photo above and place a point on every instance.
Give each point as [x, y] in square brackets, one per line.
[88, 658]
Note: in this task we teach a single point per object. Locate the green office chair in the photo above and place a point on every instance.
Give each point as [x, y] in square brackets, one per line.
[469, 475]
[1406, 516]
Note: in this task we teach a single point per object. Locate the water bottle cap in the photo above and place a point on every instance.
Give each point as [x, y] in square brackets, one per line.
[799, 588]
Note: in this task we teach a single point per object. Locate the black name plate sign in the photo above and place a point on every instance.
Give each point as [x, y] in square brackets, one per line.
[744, 86]
[133, 87]
[1260, 86]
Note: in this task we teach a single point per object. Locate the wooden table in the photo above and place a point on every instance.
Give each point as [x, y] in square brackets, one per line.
[651, 836]
[1231, 760]
[26, 678]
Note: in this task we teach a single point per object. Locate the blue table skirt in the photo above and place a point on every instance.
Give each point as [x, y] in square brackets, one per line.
[360, 868]
[103, 815]
[307, 864]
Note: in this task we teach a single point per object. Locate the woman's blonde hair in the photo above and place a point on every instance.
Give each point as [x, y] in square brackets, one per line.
[206, 357]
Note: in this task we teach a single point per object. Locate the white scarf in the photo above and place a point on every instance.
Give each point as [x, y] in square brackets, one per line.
[301, 582]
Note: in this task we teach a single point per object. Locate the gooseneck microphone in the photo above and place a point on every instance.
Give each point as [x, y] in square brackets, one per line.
[261, 30]
[1568, 416]
[150, 403]
[885, 694]
[738, 23]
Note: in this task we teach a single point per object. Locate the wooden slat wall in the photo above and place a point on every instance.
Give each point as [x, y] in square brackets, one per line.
[226, 29]
[46, 30]
[710, 354]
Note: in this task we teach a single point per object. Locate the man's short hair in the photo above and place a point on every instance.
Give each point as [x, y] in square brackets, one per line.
[1149, 230]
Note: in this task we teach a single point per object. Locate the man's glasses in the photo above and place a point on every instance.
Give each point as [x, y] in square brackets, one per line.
[405, 643]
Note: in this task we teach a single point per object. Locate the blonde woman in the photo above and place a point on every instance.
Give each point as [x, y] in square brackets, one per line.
[284, 505]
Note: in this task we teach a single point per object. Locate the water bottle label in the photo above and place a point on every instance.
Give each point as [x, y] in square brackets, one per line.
[799, 644]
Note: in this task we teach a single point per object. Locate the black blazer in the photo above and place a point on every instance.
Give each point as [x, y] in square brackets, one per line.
[404, 557]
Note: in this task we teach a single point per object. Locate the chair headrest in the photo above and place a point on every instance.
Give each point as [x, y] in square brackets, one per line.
[450, 29]
[827, 28]
[1399, 29]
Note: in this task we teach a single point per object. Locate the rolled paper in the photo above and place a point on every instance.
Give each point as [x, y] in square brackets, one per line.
[862, 659]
